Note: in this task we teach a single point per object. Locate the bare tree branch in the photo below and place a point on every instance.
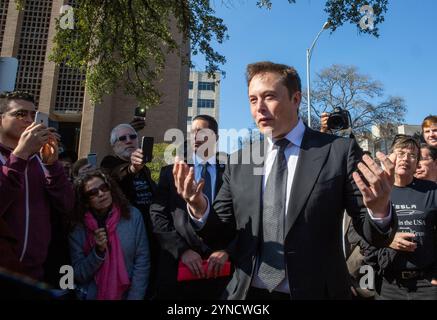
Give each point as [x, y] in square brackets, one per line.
[342, 86]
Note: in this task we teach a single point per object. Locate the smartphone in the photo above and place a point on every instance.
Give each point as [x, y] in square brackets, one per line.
[140, 112]
[43, 118]
[92, 159]
[147, 147]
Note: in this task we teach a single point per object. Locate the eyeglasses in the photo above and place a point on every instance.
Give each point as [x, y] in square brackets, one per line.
[130, 136]
[425, 159]
[402, 155]
[95, 191]
[23, 114]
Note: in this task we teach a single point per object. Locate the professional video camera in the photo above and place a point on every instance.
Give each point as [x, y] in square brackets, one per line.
[339, 119]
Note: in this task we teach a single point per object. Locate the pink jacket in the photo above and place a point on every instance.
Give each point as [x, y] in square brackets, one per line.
[29, 191]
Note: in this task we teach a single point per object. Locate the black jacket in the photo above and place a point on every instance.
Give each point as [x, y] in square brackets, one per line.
[173, 228]
[322, 189]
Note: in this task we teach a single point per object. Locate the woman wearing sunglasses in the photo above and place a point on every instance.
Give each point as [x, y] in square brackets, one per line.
[108, 244]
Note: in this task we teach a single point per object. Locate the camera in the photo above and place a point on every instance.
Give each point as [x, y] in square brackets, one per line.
[140, 112]
[339, 119]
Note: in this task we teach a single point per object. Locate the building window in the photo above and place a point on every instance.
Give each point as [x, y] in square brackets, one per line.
[209, 86]
[33, 44]
[70, 93]
[70, 89]
[205, 103]
[190, 85]
[3, 14]
[190, 103]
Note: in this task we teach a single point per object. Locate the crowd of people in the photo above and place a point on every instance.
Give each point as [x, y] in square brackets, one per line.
[212, 229]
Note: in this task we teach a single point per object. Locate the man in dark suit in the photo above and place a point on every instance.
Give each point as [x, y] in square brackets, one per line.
[283, 226]
[174, 230]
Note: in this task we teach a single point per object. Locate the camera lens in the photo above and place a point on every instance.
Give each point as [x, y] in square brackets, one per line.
[335, 121]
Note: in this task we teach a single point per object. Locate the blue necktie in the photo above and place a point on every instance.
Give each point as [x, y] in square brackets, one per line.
[207, 189]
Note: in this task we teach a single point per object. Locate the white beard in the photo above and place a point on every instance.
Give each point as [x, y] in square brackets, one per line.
[124, 155]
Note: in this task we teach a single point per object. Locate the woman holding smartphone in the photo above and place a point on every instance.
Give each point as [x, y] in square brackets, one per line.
[108, 244]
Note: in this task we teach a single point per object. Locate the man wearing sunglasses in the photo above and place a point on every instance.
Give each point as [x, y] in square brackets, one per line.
[126, 167]
[32, 183]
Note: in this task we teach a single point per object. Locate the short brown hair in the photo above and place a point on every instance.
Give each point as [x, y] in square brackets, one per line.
[7, 96]
[404, 141]
[289, 76]
[429, 121]
[212, 123]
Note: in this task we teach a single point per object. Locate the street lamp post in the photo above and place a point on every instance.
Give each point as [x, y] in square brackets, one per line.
[326, 25]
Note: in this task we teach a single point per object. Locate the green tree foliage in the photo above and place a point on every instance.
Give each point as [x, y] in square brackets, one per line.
[128, 40]
[343, 11]
[125, 42]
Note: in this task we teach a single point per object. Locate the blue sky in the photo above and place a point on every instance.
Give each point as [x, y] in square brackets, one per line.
[403, 58]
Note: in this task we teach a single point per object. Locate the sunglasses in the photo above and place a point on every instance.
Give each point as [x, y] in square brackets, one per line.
[130, 136]
[104, 187]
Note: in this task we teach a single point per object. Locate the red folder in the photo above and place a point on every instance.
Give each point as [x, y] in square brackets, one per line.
[184, 273]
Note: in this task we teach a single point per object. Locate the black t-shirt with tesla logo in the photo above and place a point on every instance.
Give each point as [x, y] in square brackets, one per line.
[416, 208]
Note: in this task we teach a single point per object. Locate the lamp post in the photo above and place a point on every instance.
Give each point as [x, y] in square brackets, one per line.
[326, 25]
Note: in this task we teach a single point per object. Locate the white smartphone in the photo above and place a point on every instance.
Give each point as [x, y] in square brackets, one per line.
[92, 159]
[43, 118]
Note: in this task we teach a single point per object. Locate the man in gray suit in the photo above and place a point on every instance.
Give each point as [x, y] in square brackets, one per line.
[284, 225]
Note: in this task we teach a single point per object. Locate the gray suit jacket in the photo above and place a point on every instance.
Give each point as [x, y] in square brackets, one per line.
[322, 189]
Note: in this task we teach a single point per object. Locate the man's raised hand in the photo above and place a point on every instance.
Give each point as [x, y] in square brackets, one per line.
[377, 183]
[31, 140]
[189, 189]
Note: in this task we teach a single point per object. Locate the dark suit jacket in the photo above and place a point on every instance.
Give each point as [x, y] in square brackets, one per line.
[322, 188]
[173, 228]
